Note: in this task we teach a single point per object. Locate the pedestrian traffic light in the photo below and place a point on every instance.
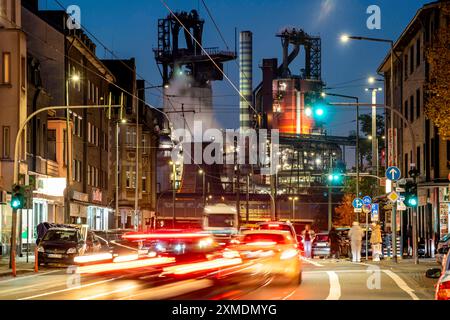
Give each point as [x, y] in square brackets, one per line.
[18, 198]
[411, 197]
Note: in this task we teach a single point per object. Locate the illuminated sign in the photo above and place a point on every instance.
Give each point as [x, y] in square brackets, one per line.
[97, 195]
[53, 187]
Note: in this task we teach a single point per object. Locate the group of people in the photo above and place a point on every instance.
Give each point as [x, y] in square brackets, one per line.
[356, 235]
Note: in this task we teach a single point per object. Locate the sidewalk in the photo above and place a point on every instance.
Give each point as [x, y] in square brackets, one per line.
[21, 264]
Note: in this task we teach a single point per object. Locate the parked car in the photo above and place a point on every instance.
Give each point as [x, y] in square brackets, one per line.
[442, 247]
[443, 274]
[62, 245]
[321, 246]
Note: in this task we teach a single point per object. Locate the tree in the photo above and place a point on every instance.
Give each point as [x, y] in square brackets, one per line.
[344, 214]
[437, 106]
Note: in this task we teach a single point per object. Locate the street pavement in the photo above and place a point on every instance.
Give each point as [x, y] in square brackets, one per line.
[322, 280]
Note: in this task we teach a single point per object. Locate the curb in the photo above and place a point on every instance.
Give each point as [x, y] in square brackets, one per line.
[4, 274]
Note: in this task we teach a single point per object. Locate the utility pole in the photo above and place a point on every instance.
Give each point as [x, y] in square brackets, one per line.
[330, 196]
[238, 184]
[174, 194]
[248, 200]
[136, 195]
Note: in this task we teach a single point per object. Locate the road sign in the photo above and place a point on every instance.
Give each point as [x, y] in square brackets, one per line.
[358, 203]
[401, 206]
[393, 173]
[367, 208]
[400, 190]
[393, 197]
[367, 200]
[358, 210]
[375, 212]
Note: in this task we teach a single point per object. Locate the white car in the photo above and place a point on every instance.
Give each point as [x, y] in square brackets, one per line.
[443, 285]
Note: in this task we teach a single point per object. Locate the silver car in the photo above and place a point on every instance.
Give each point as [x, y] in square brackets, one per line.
[442, 248]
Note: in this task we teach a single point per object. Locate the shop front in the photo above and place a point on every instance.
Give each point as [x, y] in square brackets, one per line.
[79, 204]
[98, 216]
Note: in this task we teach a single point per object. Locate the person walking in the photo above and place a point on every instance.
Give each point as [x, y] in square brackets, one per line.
[335, 243]
[375, 241]
[308, 237]
[356, 235]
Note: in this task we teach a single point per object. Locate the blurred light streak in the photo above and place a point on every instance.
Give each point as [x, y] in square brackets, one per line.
[202, 266]
[108, 267]
[93, 258]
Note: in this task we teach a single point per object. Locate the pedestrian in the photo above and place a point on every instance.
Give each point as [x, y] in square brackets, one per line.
[375, 241]
[356, 235]
[308, 237]
[335, 243]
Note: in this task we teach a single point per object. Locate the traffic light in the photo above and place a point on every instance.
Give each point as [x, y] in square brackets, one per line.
[336, 178]
[18, 198]
[411, 197]
[315, 106]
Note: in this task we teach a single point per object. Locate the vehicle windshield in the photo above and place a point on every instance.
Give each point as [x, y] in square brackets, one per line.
[221, 221]
[322, 238]
[275, 226]
[262, 237]
[61, 235]
[445, 238]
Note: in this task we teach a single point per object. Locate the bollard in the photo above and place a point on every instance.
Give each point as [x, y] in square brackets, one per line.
[13, 263]
[36, 258]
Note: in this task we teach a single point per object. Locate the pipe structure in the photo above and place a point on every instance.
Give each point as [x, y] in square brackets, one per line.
[246, 77]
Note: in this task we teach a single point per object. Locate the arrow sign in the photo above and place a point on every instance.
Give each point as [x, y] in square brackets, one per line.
[367, 200]
[393, 173]
[375, 212]
[358, 203]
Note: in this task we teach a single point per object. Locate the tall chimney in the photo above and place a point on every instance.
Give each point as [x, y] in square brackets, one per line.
[246, 77]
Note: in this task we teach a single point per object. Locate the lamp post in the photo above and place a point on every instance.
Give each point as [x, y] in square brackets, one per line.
[293, 199]
[203, 174]
[324, 94]
[174, 192]
[75, 78]
[375, 159]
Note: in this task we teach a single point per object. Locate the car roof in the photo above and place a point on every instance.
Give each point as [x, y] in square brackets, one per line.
[276, 222]
[62, 229]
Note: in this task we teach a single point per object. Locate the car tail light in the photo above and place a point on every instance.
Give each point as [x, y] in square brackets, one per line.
[444, 291]
[289, 254]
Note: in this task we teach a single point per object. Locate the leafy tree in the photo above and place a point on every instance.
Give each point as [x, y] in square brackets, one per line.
[437, 106]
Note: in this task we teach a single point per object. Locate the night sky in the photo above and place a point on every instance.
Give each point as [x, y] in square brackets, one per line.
[129, 28]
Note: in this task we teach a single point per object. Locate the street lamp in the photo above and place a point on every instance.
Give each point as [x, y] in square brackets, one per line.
[74, 78]
[174, 194]
[293, 199]
[375, 160]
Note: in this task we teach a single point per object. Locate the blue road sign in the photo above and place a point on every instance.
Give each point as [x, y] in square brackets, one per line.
[393, 174]
[375, 212]
[358, 203]
[367, 200]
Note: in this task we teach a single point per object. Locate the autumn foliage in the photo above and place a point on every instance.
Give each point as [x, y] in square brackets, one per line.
[437, 108]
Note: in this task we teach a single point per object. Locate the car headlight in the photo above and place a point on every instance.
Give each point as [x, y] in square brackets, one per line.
[41, 249]
[72, 251]
[205, 243]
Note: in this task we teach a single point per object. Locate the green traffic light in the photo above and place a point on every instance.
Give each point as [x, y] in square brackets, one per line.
[16, 204]
[413, 202]
[320, 112]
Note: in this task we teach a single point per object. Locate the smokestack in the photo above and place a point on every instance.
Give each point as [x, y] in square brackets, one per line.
[246, 77]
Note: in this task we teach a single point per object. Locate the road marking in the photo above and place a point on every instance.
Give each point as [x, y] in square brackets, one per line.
[335, 287]
[28, 277]
[69, 289]
[109, 293]
[312, 262]
[401, 284]
[172, 290]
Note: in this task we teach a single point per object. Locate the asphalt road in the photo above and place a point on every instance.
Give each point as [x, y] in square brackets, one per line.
[322, 280]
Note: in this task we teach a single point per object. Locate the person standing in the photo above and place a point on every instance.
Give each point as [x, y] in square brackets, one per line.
[356, 235]
[335, 241]
[375, 241]
[308, 237]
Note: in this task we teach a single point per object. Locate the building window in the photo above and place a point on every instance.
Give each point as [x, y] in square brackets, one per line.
[65, 156]
[6, 142]
[418, 52]
[89, 90]
[144, 184]
[24, 73]
[406, 66]
[89, 132]
[433, 150]
[76, 171]
[13, 11]
[6, 68]
[406, 165]
[418, 103]
[131, 136]
[131, 178]
[411, 105]
[406, 111]
[411, 59]
[51, 143]
[419, 162]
